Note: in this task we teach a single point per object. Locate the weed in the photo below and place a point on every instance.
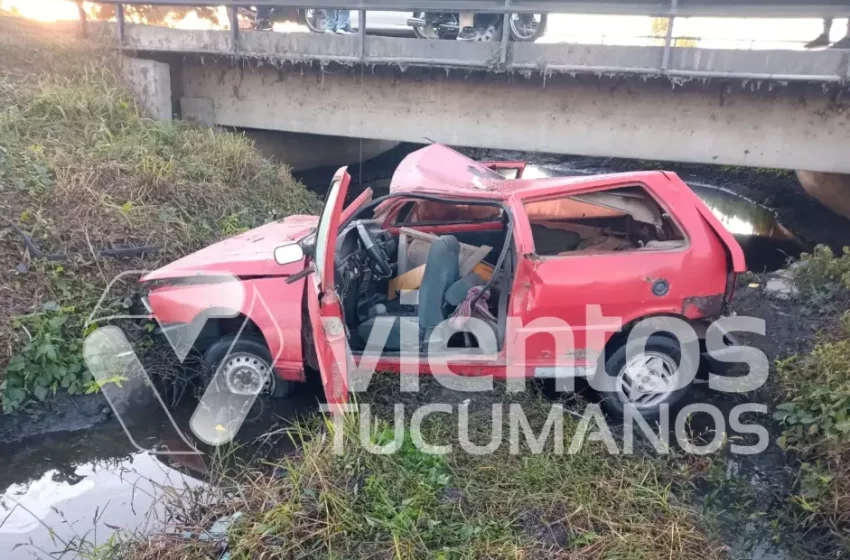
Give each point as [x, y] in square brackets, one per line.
[816, 412]
[413, 504]
[82, 169]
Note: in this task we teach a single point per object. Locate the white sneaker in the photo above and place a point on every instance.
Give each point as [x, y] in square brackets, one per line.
[344, 32]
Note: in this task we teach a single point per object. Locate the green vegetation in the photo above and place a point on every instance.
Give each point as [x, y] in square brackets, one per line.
[81, 169]
[411, 504]
[816, 387]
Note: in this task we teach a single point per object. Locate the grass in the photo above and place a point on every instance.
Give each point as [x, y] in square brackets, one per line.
[412, 504]
[816, 389]
[82, 169]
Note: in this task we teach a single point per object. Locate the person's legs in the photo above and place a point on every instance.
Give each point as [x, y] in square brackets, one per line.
[264, 17]
[331, 24]
[844, 42]
[343, 21]
[821, 40]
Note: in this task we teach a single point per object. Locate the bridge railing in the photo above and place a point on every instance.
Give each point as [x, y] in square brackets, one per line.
[670, 9]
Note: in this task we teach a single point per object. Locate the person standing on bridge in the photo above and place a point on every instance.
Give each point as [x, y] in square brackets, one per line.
[822, 40]
[338, 21]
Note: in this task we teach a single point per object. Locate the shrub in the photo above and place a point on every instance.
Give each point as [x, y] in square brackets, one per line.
[82, 169]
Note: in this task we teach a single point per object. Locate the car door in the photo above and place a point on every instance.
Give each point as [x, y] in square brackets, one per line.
[330, 339]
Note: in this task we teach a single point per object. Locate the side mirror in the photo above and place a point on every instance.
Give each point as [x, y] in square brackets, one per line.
[288, 254]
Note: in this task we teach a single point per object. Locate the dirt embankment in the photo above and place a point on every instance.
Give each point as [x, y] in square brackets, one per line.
[91, 188]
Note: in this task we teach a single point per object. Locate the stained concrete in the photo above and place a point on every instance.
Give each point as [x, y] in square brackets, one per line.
[793, 127]
[151, 82]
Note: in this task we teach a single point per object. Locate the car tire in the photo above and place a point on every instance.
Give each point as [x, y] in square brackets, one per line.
[539, 32]
[661, 354]
[310, 19]
[253, 353]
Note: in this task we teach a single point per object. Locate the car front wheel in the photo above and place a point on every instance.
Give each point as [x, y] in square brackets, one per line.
[647, 379]
[246, 367]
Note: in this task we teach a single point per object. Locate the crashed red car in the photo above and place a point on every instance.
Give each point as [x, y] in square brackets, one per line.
[540, 253]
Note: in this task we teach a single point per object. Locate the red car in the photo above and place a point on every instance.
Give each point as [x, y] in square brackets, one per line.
[545, 256]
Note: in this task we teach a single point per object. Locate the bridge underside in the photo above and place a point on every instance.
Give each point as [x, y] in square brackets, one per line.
[729, 121]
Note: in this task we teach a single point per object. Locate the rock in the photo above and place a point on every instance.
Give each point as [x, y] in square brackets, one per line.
[780, 285]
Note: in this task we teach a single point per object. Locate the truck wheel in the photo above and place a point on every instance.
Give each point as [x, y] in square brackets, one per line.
[647, 380]
[246, 366]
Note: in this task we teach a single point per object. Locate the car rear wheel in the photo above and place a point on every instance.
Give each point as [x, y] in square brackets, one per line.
[246, 367]
[527, 28]
[315, 20]
[646, 380]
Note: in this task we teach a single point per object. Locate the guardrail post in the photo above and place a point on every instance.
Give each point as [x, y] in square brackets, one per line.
[234, 27]
[668, 39]
[506, 34]
[362, 22]
[84, 24]
[119, 20]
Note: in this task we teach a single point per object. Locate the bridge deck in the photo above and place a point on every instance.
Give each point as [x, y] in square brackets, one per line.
[825, 66]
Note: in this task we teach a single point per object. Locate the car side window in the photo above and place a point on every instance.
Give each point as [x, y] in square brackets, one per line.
[614, 220]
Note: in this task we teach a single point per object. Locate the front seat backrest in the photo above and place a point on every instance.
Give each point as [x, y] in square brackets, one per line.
[441, 271]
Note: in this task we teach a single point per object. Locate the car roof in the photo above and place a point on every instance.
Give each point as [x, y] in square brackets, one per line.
[439, 170]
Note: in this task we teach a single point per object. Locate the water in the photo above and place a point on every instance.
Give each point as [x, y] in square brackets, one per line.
[83, 484]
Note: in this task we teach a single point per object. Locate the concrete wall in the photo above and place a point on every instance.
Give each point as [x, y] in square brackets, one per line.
[150, 81]
[832, 189]
[788, 127]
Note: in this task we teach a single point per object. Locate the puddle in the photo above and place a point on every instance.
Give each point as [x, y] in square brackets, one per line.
[81, 485]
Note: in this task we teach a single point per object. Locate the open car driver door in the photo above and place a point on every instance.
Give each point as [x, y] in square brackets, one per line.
[329, 334]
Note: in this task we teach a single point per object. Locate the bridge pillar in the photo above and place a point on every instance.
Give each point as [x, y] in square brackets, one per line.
[150, 82]
[832, 189]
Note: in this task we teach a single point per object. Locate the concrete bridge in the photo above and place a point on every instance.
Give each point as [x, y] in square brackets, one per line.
[780, 109]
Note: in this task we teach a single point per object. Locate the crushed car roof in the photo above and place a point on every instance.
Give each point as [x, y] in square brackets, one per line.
[437, 169]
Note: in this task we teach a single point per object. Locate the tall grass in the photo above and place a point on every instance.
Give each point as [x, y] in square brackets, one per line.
[317, 503]
[82, 169]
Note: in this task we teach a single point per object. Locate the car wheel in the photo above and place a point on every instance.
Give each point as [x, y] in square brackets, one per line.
[527, 28]
[315, 20]
[646, 380]
[245, 366]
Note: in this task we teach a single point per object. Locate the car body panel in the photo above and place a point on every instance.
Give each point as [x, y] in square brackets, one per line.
[697, 273]
[330, 340]
[247, 254]
[266, 301]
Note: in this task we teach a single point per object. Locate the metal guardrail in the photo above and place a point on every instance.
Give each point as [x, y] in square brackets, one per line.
[656, 8]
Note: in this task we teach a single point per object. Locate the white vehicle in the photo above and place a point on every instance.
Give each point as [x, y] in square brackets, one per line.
[379, 22]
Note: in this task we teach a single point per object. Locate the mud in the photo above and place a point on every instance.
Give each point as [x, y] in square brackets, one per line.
[63, 413]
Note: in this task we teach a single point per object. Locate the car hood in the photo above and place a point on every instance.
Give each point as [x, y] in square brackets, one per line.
[247, 254]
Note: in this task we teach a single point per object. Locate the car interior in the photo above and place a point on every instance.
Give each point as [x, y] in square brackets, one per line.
[384, 279]
[408, 256]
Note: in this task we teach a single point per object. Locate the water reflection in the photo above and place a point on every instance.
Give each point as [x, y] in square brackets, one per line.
[86, 484]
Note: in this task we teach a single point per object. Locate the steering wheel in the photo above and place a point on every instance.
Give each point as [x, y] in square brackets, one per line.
[379, 259]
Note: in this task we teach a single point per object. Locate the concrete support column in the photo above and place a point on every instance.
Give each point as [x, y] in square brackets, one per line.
[832, 189]
[150, 82]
